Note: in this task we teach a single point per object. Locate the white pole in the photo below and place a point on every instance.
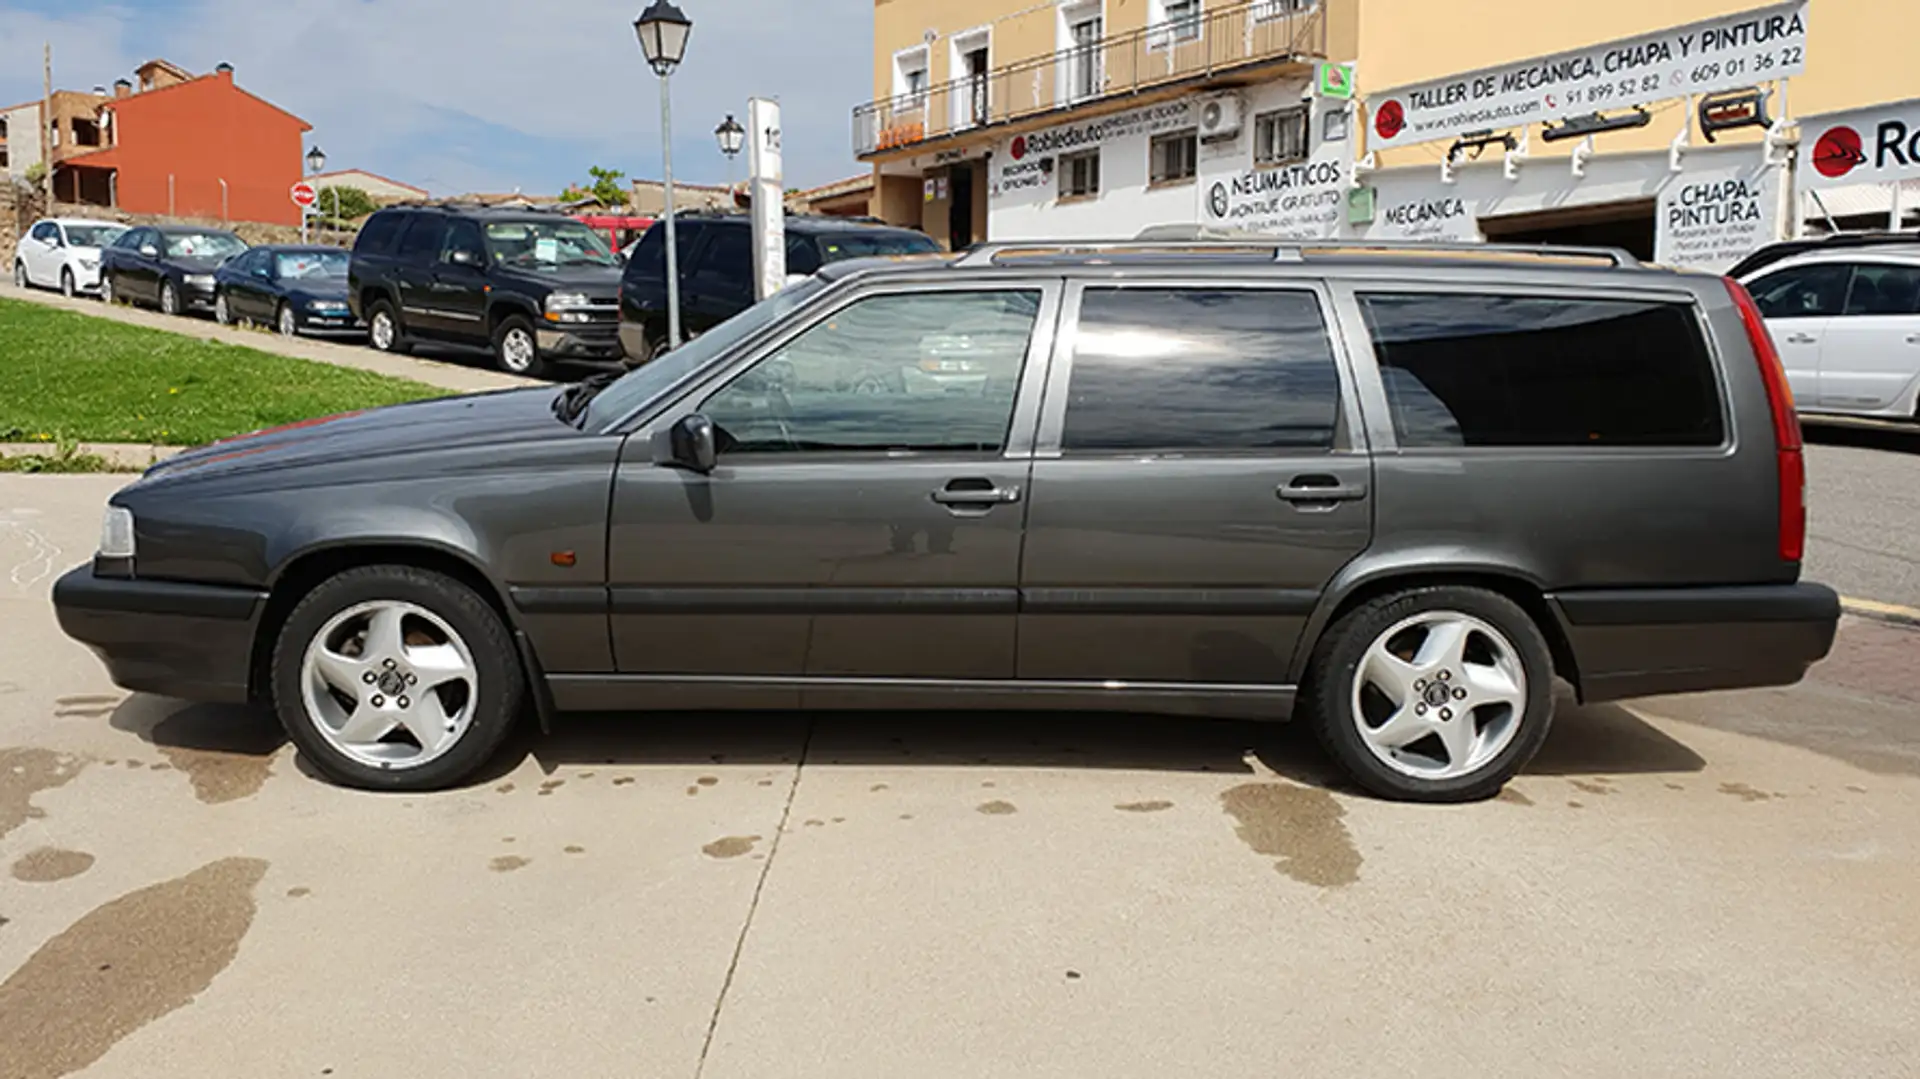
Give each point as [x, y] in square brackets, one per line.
[1893, 217]
[673, 244]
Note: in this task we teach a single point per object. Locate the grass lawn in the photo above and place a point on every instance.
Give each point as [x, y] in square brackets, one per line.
[66, 377]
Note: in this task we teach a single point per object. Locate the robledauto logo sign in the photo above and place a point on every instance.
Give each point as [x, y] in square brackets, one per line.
[1838, 152]
[1390, 120]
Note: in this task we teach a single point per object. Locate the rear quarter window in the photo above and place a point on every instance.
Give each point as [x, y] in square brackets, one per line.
[1509, 370]
[376, 236]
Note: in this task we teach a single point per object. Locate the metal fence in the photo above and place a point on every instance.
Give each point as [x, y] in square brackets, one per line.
[1169, 52]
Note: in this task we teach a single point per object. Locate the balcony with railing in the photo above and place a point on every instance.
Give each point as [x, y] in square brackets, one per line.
[1181, 49]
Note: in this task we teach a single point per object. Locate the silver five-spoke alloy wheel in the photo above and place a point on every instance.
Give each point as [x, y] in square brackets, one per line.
[1439, 695]
[382, 331]
[389, 684]
[289, 325]
[516, 349]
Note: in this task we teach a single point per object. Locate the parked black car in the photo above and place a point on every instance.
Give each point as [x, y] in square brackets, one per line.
[168, 266]
[1397, 497]
[294, 289]
[716, 269]
[528, 286]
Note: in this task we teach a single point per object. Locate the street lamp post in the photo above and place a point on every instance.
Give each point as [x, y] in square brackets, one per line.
[316, 160]
[732, 136]
[663, 30]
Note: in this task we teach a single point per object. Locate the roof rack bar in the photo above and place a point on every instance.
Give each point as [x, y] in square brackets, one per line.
[989, 254]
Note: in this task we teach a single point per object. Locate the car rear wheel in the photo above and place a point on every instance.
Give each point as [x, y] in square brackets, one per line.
[285, 321]
[515, 350]
[169, 299]
[106, 289]
[221, 312]
[395, 678]
[1433, 694]
[19, 274]
[67, 287]
[383, 328]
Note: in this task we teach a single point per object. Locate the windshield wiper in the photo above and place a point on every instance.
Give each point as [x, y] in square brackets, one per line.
[572, 402]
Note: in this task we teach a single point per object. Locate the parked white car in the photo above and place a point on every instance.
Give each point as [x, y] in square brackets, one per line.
[64, 253]
[1846, 320]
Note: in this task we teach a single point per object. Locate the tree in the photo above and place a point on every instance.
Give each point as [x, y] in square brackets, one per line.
[607, 187]
[36, 172]
[353, 203]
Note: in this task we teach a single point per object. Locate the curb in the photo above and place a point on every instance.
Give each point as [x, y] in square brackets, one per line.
[128, 455]
[1891, 613]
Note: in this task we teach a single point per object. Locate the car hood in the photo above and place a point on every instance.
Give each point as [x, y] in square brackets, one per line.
[601, 282]
[411, 430]
[92, 253]
[195, 263]
[318, 288]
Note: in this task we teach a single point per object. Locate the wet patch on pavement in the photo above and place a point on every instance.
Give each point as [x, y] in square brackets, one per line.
[732, 846]
[227, 757]
[507, 863]
[25, 772]
[1143, 807]
[1512, 796]
[996, 808]
[1593, 786]
[1304, 827]
[129, 962]
[1747, 793]
[49, 864]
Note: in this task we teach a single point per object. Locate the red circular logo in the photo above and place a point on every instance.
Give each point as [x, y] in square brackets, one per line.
[1390, 120]
[1019, 147]
[1838, 152]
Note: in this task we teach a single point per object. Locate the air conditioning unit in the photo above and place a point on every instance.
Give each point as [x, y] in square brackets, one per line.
[1221, 117]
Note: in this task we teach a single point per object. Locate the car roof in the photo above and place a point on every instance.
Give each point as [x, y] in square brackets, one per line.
[182, 230]
[804, 224]
[84, 221]
[1843, 242]
[299, 249]
[1904, 256]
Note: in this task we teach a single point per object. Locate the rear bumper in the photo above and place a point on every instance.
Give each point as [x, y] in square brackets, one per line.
[586, 343]
[1645, 642]
[193, 642]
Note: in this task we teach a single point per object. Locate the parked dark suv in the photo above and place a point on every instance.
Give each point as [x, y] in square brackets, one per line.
[716, 269]
[1394, 495]
[530, 287]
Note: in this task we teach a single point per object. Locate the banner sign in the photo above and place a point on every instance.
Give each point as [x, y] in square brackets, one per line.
[1440, 216]
[1299, 202]
[1875, 145]
[1022, 168]
[1710, 219]
[1716, 54]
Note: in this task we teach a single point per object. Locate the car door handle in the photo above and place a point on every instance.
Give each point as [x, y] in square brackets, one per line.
[975, 494]
[1320, 489]
[1913, 339]
[1801, 339]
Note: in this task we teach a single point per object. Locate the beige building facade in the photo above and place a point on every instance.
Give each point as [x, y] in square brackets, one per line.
[1578, 124]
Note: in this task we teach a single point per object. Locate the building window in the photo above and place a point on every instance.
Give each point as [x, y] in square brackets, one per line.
[1173, 158]
[1082, 28]
[1280, 137]
[1269, 10]
[910, 79]
[1174, 22]
[1080, 175]
[970, 65]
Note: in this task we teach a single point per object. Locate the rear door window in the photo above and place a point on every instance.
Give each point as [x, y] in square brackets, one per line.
[1198, 369]
[650, 258]
[1490, 370]
[727, 265]
[423, 239]
[376, 236]
[1817, 291]
[859, 245]
[1884, 290]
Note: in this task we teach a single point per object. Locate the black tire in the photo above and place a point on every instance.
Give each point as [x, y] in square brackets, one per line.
[396, 341]
[169, 298]
[67, 286]
[1327, 696]
[502, 684]
[107, 293]
[283, 321]
[506, 344]
[222, 310]
[20, 279]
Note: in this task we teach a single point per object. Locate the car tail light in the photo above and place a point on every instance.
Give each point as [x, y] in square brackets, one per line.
[1792, 465]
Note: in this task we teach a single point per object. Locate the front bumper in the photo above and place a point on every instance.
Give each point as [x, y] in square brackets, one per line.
[195, 298]
[588, 342]
[1653, 641]
[192, 642]
[330, 323]
[85, 280]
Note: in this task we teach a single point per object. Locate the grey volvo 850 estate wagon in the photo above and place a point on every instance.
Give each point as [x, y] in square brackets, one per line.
[1396, 494]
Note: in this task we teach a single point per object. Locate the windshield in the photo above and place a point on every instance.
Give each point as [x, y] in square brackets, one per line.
[94, 235]
[857, 245]
[647, 383]
[310, 264]
[203, 244]
[547, 245]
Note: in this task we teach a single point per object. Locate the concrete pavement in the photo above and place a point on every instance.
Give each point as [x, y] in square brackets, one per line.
[1863, 511]
[1721, 885]
[457, 376]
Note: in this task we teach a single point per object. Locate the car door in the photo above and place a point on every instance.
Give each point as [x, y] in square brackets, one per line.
[721, 284]
[460, 280]
[843, 533]
[1799, 304]
[40, 254]
[1196, 485]
[414, 265]
[249, 282]
[142, 268]
[1871, 355]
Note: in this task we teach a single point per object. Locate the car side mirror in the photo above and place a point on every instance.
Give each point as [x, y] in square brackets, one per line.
[150, 251]
[690, 445]
[464, 258]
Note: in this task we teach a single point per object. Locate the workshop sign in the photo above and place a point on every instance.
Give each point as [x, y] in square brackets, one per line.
[1704, 57]
[1023, 166]
[1875, 145]
[1710, 219]
[1438, 216]
[1296, 202]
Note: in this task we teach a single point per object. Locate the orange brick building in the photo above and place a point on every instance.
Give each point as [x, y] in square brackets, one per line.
[189, 146]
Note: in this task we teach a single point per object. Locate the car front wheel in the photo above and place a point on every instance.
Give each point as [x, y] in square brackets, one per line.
[67, 287]
[169, 299]
[20, 274]
[288, 325]
[395, 678]
[1432, 694]
[383, 328]
[221, 313]
[515, 350]
[106, 289]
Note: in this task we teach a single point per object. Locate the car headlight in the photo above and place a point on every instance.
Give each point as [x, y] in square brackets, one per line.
[116, 533]
[199, 280]
[329, 306]
[563, 301]
[89, 264]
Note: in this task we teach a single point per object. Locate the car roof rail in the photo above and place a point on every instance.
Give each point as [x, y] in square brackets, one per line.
[1177, 240]
[1786, 249]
